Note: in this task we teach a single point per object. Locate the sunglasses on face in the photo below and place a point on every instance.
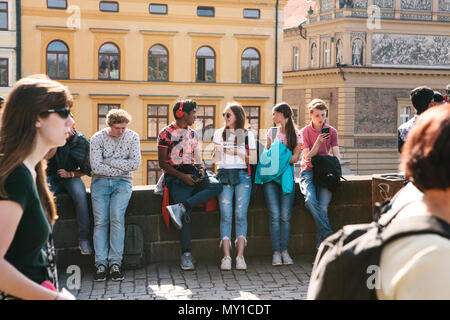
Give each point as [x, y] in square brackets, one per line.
[226, 115]
[62, 112]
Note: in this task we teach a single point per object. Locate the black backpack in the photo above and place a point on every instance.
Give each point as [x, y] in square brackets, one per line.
[327, 172]
[345, 267]
[134, 249]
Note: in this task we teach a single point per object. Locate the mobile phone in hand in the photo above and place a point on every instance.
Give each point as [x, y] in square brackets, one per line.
[327, 131]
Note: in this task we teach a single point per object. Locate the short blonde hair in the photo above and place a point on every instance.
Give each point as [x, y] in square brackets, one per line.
[317, 104]
[116, 116]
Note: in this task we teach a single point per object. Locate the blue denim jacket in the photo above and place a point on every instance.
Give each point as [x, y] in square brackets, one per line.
[274, 165]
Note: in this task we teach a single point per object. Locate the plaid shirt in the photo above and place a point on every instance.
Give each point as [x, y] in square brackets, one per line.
[181, 144]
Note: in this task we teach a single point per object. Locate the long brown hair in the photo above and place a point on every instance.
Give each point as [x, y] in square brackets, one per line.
[239, 113]
[28, 100]
[291, 130]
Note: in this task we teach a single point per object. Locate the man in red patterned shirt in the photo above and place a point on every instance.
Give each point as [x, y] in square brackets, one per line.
[189, 184]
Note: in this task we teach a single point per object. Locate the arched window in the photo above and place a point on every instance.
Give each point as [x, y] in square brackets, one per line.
[109, 62]
[250, 66]
[158, 66]
[58, 60]
[206, 65]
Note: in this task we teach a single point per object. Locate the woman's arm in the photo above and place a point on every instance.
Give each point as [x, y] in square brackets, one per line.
[12, 281]
[296, 154]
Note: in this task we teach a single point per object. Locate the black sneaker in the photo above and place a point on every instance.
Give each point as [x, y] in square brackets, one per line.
[115, 273]
[100, 273]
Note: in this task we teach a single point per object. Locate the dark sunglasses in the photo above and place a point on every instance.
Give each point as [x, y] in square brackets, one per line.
[62, 112]
[226, 115]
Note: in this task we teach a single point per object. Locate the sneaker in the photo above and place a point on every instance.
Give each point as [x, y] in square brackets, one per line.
[287, 260]
[85, 248]
[240, 263]
[115, 273]
[276, 259]
[100, 273]
[176, 213]
[226, 263]
[187, 261]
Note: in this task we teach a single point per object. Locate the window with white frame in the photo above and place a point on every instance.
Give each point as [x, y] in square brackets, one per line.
[295, 58]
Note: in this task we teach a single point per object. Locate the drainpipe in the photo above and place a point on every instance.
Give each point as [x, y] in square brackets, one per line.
[18, 40]
[276, 52]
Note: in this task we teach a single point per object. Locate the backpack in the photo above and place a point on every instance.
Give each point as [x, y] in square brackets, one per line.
[327, 172]
[346, 266]
[134, 250]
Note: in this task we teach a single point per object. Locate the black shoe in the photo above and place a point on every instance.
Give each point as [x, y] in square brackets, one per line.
[100, 273]
[115, 273]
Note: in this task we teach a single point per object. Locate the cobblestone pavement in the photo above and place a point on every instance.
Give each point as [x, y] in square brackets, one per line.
[162, 281]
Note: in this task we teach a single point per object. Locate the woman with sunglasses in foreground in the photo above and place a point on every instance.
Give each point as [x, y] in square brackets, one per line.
[230, 148]
[36, 118]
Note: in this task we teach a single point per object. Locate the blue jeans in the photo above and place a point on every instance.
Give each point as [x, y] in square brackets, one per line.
[110, 197]
[77, 191]
[280, 207]
[317, 201]
[242, 192]
[194, 195]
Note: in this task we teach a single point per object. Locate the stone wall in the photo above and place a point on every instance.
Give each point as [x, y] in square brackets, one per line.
[351, 204]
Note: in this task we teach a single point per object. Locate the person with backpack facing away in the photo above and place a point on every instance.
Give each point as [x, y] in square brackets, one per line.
[280, 196]
[315, 142]
[230, 152]
[417, 266]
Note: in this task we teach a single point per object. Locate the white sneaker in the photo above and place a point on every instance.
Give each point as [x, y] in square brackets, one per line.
[276, 259]
[226, 263]
[176, 212]
[240, 263]
[287, 260]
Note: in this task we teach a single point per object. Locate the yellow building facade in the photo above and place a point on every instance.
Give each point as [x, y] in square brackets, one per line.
[8, 46]
[363, 58]
[143, 56]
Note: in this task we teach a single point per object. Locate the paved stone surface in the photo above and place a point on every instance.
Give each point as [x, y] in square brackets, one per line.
[162, 281]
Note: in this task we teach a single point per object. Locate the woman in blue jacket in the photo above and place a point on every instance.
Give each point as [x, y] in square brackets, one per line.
[278, 202]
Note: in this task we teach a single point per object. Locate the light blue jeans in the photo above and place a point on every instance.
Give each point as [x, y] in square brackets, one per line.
[280, 207]
[317, 200]
[241, 193]
[110, 197]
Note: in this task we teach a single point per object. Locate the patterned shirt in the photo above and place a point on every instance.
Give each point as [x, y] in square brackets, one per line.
[182, 144]
[115, 156]
[404, 129]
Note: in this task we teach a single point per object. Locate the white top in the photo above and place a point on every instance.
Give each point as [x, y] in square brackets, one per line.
[229, 161]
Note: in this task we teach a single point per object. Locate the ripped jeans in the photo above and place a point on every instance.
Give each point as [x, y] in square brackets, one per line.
[241, 194]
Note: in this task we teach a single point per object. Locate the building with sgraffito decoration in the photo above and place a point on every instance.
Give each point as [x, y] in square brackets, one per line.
[363, 57]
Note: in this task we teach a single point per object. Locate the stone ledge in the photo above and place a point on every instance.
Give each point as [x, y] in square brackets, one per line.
[351, 204]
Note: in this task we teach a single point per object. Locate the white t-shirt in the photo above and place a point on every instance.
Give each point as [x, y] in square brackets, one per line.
[229, 161]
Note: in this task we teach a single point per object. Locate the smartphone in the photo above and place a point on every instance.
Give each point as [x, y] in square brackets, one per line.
[326, 130]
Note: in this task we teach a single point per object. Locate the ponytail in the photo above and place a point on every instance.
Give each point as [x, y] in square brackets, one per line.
[291, 134]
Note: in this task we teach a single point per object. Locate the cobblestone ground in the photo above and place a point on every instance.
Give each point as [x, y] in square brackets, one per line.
[167, 281]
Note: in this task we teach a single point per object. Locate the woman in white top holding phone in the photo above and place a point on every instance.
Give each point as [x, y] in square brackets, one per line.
[234, 149]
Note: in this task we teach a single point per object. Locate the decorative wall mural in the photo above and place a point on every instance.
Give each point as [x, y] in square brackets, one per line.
[326, 5]
[421, 5]
[410, 50]
[444, 5]
[362, 4]
[384, 4]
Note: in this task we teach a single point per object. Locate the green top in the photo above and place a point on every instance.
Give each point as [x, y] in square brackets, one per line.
[25, 252]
